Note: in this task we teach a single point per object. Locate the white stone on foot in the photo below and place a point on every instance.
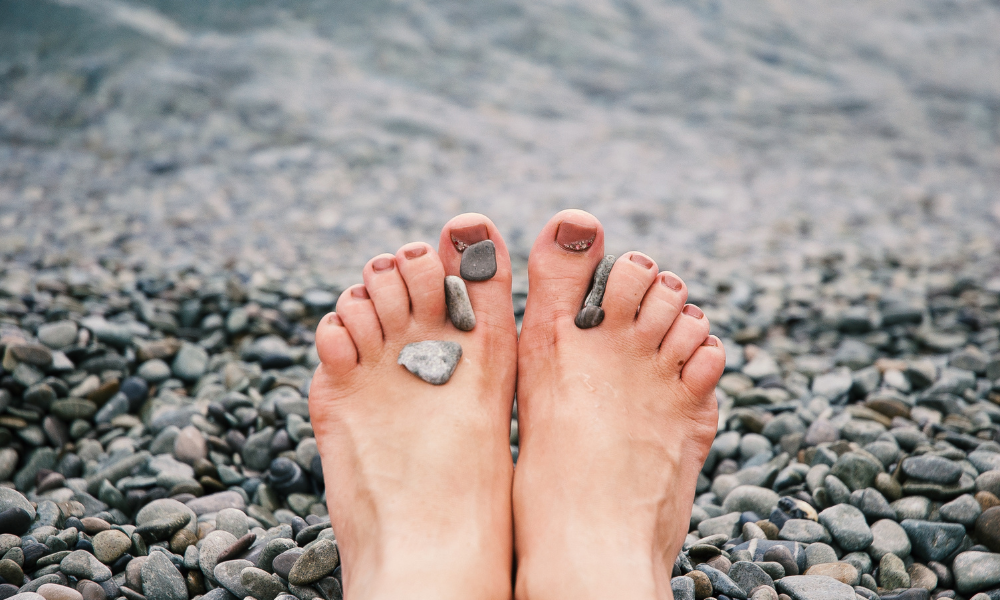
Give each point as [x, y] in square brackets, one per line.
[434, 361]
[456, 295]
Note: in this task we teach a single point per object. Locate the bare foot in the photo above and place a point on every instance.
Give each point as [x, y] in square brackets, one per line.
[614, 421]
[418, 475]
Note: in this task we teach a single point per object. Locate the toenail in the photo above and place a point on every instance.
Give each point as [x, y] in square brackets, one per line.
[411, 253]
[360, 291]
[711, 341]
[383, 263]
[334, 319]
[642, 260]
[576, 237]
[693, 311]
[463, 237]
[672, 282]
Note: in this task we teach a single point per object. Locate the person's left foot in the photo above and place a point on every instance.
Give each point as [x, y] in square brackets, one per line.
[418, 476]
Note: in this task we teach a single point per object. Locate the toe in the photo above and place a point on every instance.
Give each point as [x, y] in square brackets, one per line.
[685, 335]
[490, 297]
[334, 345]
[388, 292]
[561, 265]
[423, 274]
[357, 313]
[627, 284]
[660, 306]
[705, 366]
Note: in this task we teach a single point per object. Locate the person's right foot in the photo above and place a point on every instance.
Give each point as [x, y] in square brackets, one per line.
[614, 421]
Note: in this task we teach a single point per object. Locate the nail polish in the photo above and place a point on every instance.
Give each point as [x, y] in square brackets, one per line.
[575, 237]
[672, 282]
[415, 252]
[642, 260]
[463, 237]
[693, 311]
[384, 263]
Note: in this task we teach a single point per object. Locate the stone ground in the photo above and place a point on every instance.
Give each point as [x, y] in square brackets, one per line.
[184, 187]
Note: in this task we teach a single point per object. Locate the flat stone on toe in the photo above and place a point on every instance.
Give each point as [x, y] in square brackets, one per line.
[592, 314]
[433, 361]
[479, 261]
[456, 295]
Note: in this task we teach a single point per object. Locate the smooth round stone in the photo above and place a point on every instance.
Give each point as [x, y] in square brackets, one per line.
[84, 565]
[434, 361]
[479, 261]
[589, 317]
[721, 582]
[51, 591]
[892, 573]
[682, 588]
[73, 408]
[720, 563]
[857, 471]
[888, 537]
[848, 527]
[774, 570]
[803, 530]
[91, 590]
[818, 554]
[750, 498]
[154, 371]
[14, 520]
[228, 575]
[190, 362]
[283, 563]
[315, 563]
[988, 528]
[13, 499]
[976, 571]
[782, 556]
[238, 547]
[749, 576]
[161, 580]
[261, 584]
[964, 510]
[110, 545]
[933, 541]
[765, 593]
[211, 547]
[932, 468]
[912, 507]
[272, 550]
[232, 520]
[190, 446]
[702, 584]
[57, 334]
[921, 577]
[815, 587]
[11, 572]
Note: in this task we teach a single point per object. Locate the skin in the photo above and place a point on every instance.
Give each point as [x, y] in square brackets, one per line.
[614, 424]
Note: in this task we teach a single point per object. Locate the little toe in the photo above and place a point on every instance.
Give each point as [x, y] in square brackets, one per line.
[388, 292]
[357, 313]
[627, 284]
[660, 306]
[489, 294]
[334, 345]
[705, 366]
[423, 274]
[561, 265]
[685, 335]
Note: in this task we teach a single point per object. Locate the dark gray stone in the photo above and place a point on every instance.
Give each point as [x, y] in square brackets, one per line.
[976, 571]
[847, 525]
[161, 580]
[479, 261]
[315, 563]
[433, 361]
[588, 318]
[932, 468]
[933, 541]
[721, 582]
[749, 575]
[815, 587]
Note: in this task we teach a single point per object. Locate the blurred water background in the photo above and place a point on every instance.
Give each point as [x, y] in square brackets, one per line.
[297, 138]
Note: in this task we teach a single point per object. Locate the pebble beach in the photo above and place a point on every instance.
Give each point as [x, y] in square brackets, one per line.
[185, 191]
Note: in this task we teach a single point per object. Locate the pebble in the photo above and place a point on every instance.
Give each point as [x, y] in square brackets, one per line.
[232, 520]
[190, 363]
[161, 580]
[110, 545]
[260, 584]
[848, 527]
[921, 576]
[702, 584]
[479, 261]
[814, 587]
[211, 547]
[892, 573]
[933, 541]
[932, 468]
[888, 537]
[84, 565]
[591, 314]
[721, 582]
[190, 446]
[315, 563]
[433, 361]
[976, 571]
[749, 576]
[750, 498]
[988, 528]
[456, 296]
[682, 588]
[228, 575]
[840, 571]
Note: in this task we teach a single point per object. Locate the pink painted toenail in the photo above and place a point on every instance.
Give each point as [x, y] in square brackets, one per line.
[360, 291]
[463, 237]
[642, 260]
[672, 282]
[575, 237]
[384, 263]
[711, 341]
[334, 319]
[411, 253]
[693, 311]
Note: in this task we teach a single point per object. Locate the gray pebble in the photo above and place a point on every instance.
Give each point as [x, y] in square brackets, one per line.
[434, 361]
[847, 525]
[228, 575]
[459, 306]
[260, 584]
[315, 563]
[161, 580]
[479, 261]
[83, 565]
[591, 314]
[815, 587]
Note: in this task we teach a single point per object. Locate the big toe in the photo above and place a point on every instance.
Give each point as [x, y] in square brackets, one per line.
[472, 249]
[561, 265]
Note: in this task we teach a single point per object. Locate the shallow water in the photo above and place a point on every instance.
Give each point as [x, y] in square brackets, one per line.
[304, 137]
